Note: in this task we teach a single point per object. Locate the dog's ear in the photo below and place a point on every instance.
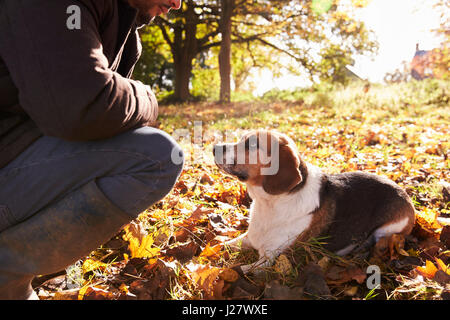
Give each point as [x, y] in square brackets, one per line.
[288, 175]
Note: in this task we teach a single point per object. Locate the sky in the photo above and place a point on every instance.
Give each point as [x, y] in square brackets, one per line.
[398, 26]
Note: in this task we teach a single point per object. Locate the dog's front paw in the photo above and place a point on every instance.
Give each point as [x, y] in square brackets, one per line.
[238, 243]
[247, 268]
[233, 245]
[256, 268]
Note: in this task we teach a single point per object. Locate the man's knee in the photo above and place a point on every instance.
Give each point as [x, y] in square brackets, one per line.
[155, 146]
[171, 164]
[162, 148]
[157, 162]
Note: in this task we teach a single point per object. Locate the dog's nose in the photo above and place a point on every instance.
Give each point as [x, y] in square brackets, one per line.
[175, 4]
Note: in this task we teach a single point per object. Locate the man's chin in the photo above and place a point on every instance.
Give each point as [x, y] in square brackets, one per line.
[144, 18]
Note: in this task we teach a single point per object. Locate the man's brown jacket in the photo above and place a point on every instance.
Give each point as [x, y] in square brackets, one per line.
[64, 82]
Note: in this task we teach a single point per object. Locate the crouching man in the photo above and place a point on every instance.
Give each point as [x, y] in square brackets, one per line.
[79, 157]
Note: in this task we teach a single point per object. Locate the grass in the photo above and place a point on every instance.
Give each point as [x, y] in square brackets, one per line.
[400, 131]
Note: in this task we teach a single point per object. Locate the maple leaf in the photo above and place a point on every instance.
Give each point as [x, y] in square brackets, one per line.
[197, 215]
[140, 246]
[428, 271]
[228, 275]
[91, 265]
[339, 275]
[390, 247]
[441, 265]
[183, 252]
[211, 251]
[207, 279]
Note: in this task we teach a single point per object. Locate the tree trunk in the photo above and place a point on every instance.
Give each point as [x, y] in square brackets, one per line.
[183, 70]
[227, 7]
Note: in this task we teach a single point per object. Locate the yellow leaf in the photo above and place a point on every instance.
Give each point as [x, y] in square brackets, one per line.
[124, 288]
[351, 291]
[211, 251]
[91, 264]
[229, 275]
[206, 278]
[324, 263]
[71, 294]
[143, 249]
[442, 266]
[361, 3]
[82, 291]
[282, 265]
[139, 242]
[428, 271]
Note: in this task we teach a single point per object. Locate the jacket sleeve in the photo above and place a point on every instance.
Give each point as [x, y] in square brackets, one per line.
[62, 75]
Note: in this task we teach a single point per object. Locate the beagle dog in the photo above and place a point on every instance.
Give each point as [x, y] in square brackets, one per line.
[294, 200]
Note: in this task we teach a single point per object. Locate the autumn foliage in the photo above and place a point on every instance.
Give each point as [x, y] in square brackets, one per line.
[175, 249]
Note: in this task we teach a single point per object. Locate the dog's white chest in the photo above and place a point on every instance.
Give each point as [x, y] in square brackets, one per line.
[277, 221]
[275, 226]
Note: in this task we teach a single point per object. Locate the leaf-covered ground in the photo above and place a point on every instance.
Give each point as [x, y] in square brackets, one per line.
[174, 250]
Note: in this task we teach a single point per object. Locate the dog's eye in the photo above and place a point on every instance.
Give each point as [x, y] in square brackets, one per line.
[251, 144]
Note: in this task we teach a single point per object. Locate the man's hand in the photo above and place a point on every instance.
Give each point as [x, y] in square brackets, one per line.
[154, 103]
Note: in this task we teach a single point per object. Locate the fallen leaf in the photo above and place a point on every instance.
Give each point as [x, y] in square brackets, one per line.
[396, 245]
[207, 279]
[228, 275]
[183, 252]
[211, 251]
[219, 226]
[324, 263]
[243, 289]
[445, 191]
[139, 242]
[282, 265]
[428, 271]
[430, 248]
[275, 290]
[134, 230]
[182, 235]
[196, 217]
[71, 294]
[162, 235]
[156, 283]
[124, 288]
[206, 178]
[390, 247]
[339, 275]
[181, 187]
[445, 236]
[441, 265]
[357, 274]
[312, 278]
[94, 293]
[441, 277]
[91, 265]
[405, 264]
[351, 291]
[445, 295]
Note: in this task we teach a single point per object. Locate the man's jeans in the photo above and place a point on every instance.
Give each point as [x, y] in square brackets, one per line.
[134, 170]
